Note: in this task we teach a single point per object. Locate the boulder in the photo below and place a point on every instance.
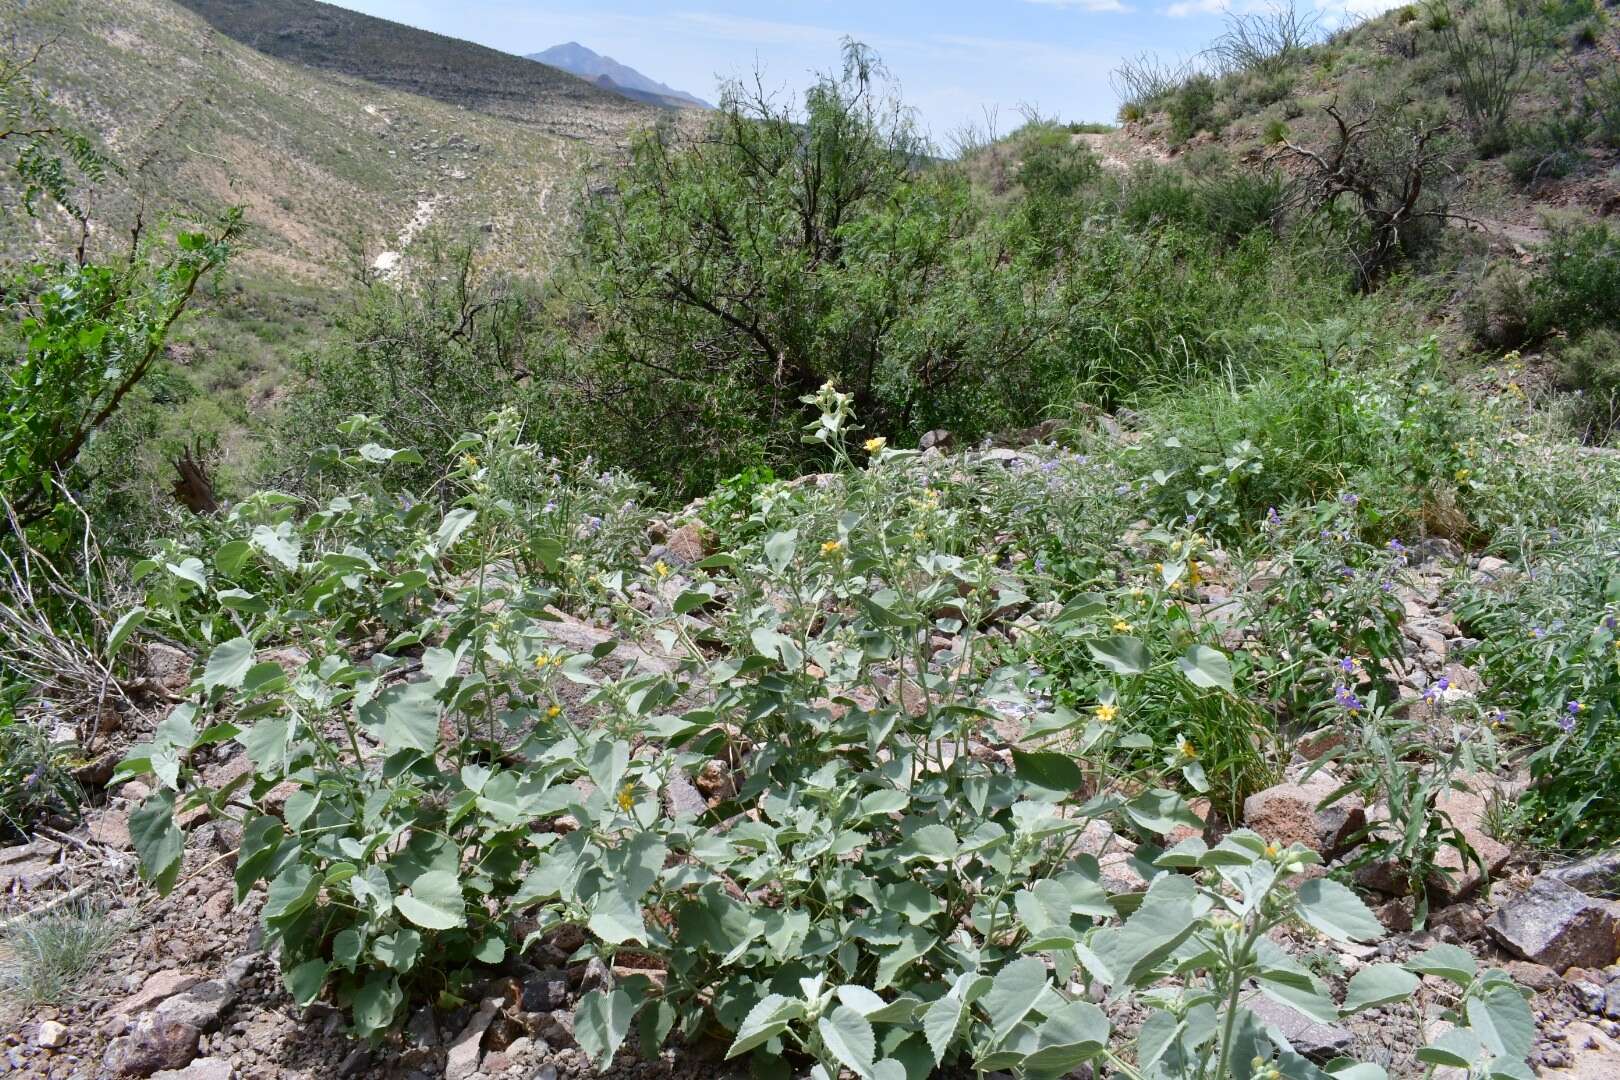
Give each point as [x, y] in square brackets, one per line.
[688, 544]
[1289, 814]
[158, 986]
[167, 666]
[545, 991]
[938, 439]
[153, 1043]
[52, 1035]
[1557, 926]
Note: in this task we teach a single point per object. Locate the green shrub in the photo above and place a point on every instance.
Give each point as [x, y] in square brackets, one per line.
[428, 357]
[1550, 148]
[871, 894]
[1497, 312]
[1192, 109]
[1589, 369]
[1575, 287]
[1241, 201]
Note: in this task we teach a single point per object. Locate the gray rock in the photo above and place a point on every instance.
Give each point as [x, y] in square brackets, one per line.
[1591, 996]
[240, 968]
[201, 1006]
[546, 991]
[462, 1060]
[209, 1068]
[681, 799]
[51, 1035]
[938, 439]
[153, 1043]
[1558, 926]
[1597, 875]
[1317, 1041]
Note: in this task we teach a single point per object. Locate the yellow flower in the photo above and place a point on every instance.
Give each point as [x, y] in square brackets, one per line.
[1121, 626]
[470, 461]
[661, 568]
[876, 443]
[554, 712]
[1188, 750]
[1158, 567]
[830, 547]
[1193, 575]
[542, 660]
[1272, 851]
[1463, 475]
[1106, 713]
[627, 797]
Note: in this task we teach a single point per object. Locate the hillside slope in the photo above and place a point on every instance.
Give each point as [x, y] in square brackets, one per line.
[325, 163]
[401, 57]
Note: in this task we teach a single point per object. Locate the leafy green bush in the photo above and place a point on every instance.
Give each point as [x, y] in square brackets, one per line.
[1192, 108]
[872, 892]
[1589, 368]
[1550, 148]
[1575, 286]
[428, 357]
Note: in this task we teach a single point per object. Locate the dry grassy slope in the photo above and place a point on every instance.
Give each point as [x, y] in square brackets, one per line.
[400, 57]
[317, 158]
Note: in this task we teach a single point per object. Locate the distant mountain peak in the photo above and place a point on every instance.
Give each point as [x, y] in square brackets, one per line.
[609, 74]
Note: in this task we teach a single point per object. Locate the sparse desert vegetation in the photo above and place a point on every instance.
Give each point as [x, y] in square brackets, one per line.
[1131, 601]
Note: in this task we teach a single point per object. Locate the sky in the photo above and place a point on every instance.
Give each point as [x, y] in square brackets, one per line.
[958, 62]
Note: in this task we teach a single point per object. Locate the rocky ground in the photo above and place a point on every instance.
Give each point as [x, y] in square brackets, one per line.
[188, 993]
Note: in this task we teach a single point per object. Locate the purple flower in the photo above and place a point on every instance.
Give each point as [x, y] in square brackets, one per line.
[1272, 518]
[1347, 699]
[550, 507]
[1123, 490]
[1610, 623]
[1438, 687]
[1499, 716]
[1350, 499]
[1192, 519]
[1347, 572]
[1049, 466]
[1397, 547]
[1347, 664]
[1566, 724]
[1537, 632]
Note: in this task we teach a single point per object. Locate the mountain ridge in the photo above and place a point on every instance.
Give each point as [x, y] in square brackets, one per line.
[610, 74]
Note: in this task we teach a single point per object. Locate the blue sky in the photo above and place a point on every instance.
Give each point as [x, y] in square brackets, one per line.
[954, 59]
